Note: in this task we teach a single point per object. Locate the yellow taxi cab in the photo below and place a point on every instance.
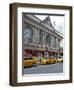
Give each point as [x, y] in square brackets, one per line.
[52, 60]
[48, 61]
[29, 62]
[60, 60]
[44, 61]
[35, 60]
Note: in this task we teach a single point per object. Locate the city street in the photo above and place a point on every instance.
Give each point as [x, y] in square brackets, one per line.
[39, 69]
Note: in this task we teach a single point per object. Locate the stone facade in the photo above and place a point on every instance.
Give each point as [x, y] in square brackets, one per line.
[39, 34]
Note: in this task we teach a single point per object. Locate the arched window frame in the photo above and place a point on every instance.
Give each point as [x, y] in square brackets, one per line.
[28, 39]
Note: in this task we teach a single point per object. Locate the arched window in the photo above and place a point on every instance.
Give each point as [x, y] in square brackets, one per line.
[48, 40]
[40, 36]
[28, 34]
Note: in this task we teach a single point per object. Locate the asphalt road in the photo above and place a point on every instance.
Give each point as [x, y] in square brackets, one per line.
[40, 69]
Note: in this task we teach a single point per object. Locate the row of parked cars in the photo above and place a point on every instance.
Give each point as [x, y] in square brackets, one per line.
[29, 62]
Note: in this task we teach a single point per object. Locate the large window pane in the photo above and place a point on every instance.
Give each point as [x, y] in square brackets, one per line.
[28, 33]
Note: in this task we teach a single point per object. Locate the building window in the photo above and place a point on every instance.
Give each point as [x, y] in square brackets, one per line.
[28, 34]
[54, 43]
[40, 36]
[48, 40]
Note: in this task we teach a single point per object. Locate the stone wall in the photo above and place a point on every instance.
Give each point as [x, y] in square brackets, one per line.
[36, 35]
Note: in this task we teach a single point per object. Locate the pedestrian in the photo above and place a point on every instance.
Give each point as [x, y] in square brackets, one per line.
[39, 57]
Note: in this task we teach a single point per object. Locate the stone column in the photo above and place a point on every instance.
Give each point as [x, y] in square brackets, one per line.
[45, 37]
[52, 42]
[58, 47]
[33, 34]
[37, 35]
[57, 43]
[42, 37]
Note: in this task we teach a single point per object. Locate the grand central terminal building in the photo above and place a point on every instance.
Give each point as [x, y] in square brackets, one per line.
[40, 37]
